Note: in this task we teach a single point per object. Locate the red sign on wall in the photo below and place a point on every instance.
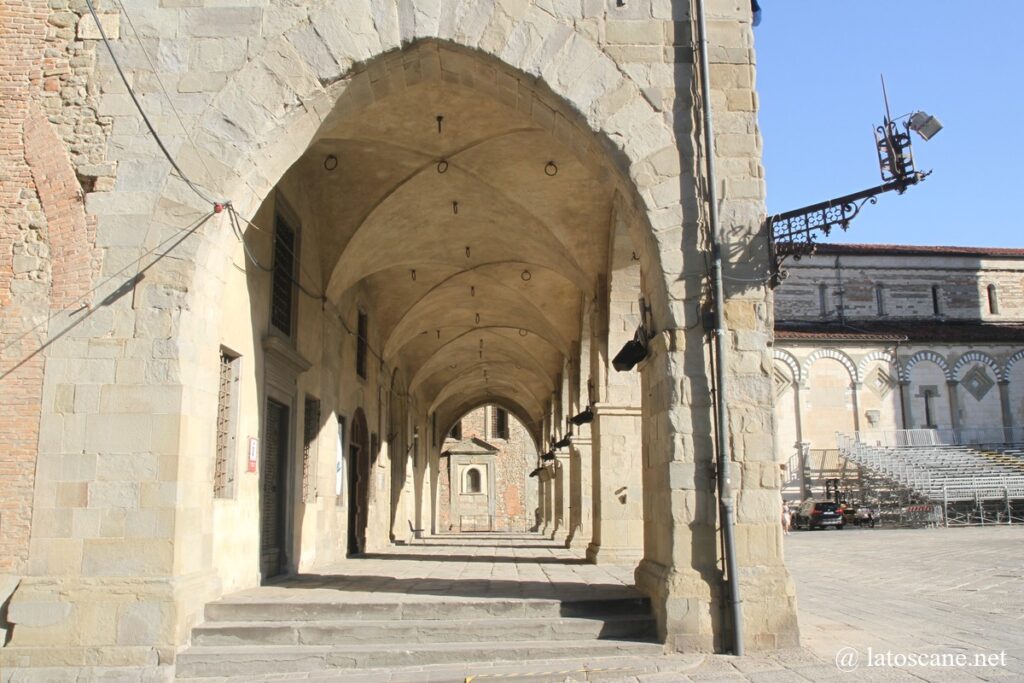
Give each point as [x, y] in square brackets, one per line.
[254, 450]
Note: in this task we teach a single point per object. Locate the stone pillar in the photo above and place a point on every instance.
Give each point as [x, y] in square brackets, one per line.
[618, 486]
[907, 405]
[581, 510]
[560, 497]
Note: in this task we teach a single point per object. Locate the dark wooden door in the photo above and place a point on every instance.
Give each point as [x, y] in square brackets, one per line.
[353, 500]
[272, 490]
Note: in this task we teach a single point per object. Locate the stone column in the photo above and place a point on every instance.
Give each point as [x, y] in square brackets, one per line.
[907, 404]
[581, 504]
[618, 534]
[560, 498]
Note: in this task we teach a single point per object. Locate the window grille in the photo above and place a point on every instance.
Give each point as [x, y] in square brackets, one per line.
[499, 423]
[227, 402]
[283, 287]
[361, 345]
[309, 433]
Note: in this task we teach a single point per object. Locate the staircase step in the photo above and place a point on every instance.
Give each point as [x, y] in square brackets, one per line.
[277, 611]
[418, 631]
[201, 662]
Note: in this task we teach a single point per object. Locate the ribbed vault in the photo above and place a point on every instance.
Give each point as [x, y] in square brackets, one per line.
[472, 234]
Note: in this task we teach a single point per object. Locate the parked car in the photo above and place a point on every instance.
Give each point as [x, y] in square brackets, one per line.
[818, 514]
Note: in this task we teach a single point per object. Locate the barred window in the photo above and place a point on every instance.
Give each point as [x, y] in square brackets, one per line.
[227, 411]
[362, 331]
[499, 423]
[309, 433]
[283, 288]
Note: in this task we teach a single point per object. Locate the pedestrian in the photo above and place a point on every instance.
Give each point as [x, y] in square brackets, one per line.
[787, 518]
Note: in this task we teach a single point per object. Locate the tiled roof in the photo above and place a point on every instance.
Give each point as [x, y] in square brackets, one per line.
[929, 331]
[913, 250]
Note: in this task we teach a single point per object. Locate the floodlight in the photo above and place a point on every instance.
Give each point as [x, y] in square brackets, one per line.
[924, 125]
[583, 418]
[632, 353]
[563, 442]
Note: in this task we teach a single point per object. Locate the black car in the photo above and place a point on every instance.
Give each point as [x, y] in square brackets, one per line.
[818, 514]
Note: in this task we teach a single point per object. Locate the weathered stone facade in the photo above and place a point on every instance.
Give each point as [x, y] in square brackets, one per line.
[462, 203]
[502, 496]
[877, 338]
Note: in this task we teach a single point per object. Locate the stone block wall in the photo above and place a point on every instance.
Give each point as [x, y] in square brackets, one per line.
[125, 527]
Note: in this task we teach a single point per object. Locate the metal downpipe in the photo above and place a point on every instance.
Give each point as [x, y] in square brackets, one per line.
[725, 493]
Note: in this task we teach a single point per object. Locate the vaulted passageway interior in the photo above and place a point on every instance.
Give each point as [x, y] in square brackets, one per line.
[454, 236]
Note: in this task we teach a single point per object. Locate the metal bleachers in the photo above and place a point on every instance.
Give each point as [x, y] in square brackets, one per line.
[980, 483]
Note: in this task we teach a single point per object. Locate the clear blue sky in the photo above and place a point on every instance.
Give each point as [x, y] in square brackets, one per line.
[818, 80]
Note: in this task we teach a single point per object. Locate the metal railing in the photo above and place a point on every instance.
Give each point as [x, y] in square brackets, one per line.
[972, 436]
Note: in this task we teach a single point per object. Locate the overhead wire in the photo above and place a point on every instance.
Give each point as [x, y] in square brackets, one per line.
[160, 82]
[81, 302]
[138, 105]
[234, 217]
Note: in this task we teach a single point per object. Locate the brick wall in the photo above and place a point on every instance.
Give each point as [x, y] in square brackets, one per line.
[513, 460]
[46, 257]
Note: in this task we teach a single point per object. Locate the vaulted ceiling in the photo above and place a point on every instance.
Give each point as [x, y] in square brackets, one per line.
[473, 253]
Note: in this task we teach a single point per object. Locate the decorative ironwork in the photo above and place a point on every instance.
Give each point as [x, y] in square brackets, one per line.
[793, 233]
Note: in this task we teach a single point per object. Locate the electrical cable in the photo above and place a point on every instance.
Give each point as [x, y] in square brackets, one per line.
[80, 303]
[138, 105]
[160, 82]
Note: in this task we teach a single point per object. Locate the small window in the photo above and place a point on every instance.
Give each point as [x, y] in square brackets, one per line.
[499, 423]
[227, 412]
[823, 300]
[472, 484]
[929, 409]
[456, 432]
[309, 433]
[936, 300]
[362, 331]
[282, 297]
[879, 300]
[993, 300]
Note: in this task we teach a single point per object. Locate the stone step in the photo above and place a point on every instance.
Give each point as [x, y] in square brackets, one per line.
[416, 631]
[221, 661]
[427, 610]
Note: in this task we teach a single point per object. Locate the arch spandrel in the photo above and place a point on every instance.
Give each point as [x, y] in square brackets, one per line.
[263, 144]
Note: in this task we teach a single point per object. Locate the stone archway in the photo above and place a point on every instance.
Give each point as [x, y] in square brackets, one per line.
[586, 79]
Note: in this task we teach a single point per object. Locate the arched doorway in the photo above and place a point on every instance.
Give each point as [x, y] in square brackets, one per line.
[358, 483]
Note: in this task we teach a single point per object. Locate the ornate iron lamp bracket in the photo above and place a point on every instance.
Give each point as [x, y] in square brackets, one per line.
[793, 233]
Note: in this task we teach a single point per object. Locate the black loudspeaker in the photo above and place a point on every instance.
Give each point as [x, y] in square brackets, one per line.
[583, 418]
[631, 354]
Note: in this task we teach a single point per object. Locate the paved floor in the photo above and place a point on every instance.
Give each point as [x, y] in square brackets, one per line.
[913, 591]
[875, 605]
[466, 567]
